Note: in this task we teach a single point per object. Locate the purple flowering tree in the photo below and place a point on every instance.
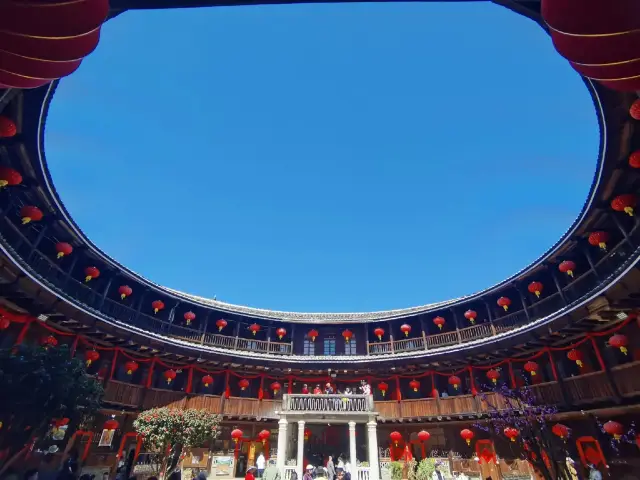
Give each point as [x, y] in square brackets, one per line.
[527, 423]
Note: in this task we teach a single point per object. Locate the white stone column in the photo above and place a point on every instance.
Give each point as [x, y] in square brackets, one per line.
[352, 450]
[374, 464]
[282, 446]
[300, 459]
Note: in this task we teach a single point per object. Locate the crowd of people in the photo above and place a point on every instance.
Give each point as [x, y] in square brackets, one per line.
[365, 389]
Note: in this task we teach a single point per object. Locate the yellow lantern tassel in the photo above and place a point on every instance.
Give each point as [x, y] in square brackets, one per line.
[624, 350]
[440, 327]
[533, 372]
[415, 389]
[253, 332]
[570, 273]
[60, 255]
[87, 279]
[129, 372]
[579, 363]
[384, 393]
[3, 183]
[379, 337]
[506, 307]
[472, 320]
[513, 439]
[88, 363]
[628, 211]
[168, 381]
[123, 296]
[455, 386]
[603, 246]
[406, 334]
[155, 310]
[26, 220]
[538, 293]
[468, 441]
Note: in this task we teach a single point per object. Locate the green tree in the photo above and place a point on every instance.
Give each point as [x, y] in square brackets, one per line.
[167, 434]
[38, 385]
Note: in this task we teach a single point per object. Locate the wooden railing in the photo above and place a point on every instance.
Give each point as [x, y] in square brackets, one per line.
[327, 403]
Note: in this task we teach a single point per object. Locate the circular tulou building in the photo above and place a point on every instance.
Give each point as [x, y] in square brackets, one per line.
[403, 384]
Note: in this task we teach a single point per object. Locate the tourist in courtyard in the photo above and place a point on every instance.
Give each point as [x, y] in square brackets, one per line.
[308, 473]
[271, 472]
[250, 475]
[331, 469]
[260, 463]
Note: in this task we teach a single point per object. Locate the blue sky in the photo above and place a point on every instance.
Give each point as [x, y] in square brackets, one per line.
[324, 157]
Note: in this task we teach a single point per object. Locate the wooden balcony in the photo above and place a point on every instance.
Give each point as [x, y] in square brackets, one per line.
[341, 404]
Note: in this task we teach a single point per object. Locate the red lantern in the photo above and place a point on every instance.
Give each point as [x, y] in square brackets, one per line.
[599, 239]
[531, 367]
[567, 267]
[615, 429]
[619, 341]
[221, 324]
[439, 321]
[575, 356]
[560, 430]
[236, 435]
[8, 127]
[624, 203]
[347, 335]
[383, 387]
[275, 386]
[63, 248]
[467, 435]
[307, 434]
[312, 334]
[634, 111]
[189, 317]
[29, 213]
[131, 367]
[157, 305]
[395, 437]
[511, 433]
[243, 384]
[471, 315]
[406, 329]
[454, 381]
[493, 375]
[111, 424]
[255, 328]
[415, 385]
[535, 288]
[504, 302]
[9, 177]
[379, 332]
[125, 291]
[169, 375]
[91, 356]
[207, 380]
[424, 436]
[49, 341]
[4, 323]
[264, 435]
[281, 332]
[90, 273]
[634, 159]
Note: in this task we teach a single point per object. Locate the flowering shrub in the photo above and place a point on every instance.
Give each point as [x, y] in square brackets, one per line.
[168, 433]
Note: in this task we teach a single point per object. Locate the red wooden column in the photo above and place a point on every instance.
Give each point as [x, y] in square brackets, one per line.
[189, 380]
[553, 365]
[23, 331]
[74, 346]
[113, 364]
[596, 349]
[512, 377]
[150, 375]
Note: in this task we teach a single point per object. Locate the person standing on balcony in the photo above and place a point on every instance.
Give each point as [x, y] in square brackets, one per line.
[317, 390]
[328, 389]
[305, 389]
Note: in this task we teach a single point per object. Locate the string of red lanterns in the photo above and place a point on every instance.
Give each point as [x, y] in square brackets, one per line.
[8, 176]
[406, 329]
[599, 239]
[624, 203]
[125, 291]
[535, 288]
[63, 249]
[471, 315]
[254, 328]
[281, 333]
[379, 332]
[347, 335]
[221, 323]
[157, 305]
[312, 334]
[90, 273]
[504, 302]
[207, 380]
[91, 356]
[29, 214]
[568, 267]
[189, 317]
[131, 367]
[439, 322]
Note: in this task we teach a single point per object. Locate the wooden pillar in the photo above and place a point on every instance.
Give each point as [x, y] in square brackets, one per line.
[105, 292]
[556, 281]
[23, 331]
[523, 300]
[587, 254]
[390, 327]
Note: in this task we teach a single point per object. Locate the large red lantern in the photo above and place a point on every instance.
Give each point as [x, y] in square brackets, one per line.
[383, 387]
[379, 332]
[264, 435]
[45, 41]
[599, 239]
[567, 267]
[63, 249]
[254, 328]
[281, 332]
[575, 356]
[619, 341]
[455, 382]
[535, 288]
[131, 367]
[29, 213]
[189, 317]
[275, 386]
[560, 430]
[90, 273]
[414, 385]
[424, 436]
[531, 367]
[312, 334]
[157, 305]
[634, 159]
[8, 127]
[221, 324]
[125, 291]
[406, 329]
[9, 177]
[615, 429]
[439, 321]
[634, 110]
[207, 380]
[111, 424]
[4, 323]
[243, 384]
[395, 437]
[511, 433]
[625, 203]
[347, 335]
[493, 375]
[49, 341]
[504, 302]
[169, 375]
[91, 356]
[467, 435]
[236, 435]
[471, 315]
